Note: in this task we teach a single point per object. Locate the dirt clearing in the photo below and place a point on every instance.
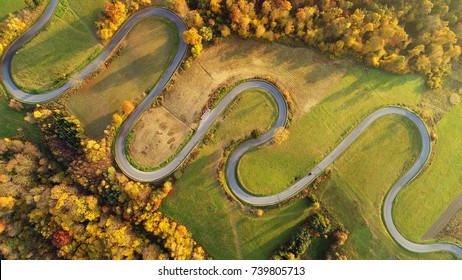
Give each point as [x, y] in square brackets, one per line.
[453, 230]
[156, 136]
[306, 74]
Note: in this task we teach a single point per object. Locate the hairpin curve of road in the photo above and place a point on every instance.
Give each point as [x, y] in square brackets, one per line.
[207, 121]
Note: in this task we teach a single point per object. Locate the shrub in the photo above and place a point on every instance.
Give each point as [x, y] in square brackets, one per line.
[454, 99]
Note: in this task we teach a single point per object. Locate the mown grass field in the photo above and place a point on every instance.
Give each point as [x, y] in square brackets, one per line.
[361, 178]
[11, 122]
[421, 203]
[312, 136]
[62, 48]
[146, 53]
[10, 6]
[354, 197]
[200, 203]
[254, 108]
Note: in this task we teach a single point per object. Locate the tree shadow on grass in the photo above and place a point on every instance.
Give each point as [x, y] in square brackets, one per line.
[53, 53]
[365, 85]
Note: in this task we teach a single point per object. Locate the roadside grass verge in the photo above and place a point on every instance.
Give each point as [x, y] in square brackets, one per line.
[64, 46]
[272, 168]
[146, 53]
[422, 202]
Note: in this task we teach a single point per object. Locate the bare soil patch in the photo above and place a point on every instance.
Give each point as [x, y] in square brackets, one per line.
[453, 230]
[156, 136]
[306, 74]
[448, 223]
[145, 53]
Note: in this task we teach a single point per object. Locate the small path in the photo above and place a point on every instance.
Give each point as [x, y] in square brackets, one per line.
[237, 242]
[71, 27]
[80, 19]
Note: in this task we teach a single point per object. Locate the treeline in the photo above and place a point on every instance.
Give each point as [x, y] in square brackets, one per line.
[317, 225]
[82, 207]
[15, 24]
[114, 14]
[398, 36]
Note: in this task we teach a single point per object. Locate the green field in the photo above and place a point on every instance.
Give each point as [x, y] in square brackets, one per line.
[10, 6]
[421, 203]
[253, 104]
[199, 202]
[212, 223]
[147, 52]
[12, 121]
[61, 49]
[361, 177]
[312, 136]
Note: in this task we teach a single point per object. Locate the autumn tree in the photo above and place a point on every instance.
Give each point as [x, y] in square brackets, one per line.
[194, 39]
[115, 13]
[127, 107]
[280, 135]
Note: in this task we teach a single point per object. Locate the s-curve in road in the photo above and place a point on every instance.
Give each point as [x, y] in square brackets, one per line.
[418, 165]
[208, 120]
[26, 97]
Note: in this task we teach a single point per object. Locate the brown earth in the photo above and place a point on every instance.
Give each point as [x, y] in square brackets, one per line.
[453, 230]
[157, 135]
[444, 219]
[306, 74]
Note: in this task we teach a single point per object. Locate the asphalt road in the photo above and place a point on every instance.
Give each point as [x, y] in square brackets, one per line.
[207, 121]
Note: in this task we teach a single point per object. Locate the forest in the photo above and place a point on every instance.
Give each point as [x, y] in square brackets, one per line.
[405, 36]
[68, 200]
[398, 36]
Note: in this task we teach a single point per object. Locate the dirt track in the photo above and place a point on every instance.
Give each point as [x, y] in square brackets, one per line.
[444, 219]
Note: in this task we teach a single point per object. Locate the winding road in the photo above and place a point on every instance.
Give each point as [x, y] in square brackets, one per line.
[208, 120]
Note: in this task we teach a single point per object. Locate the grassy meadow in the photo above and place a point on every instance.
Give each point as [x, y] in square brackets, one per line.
[10, 6]
[64, 46]
[353, 193]
[146, 53]
[313, 135]
[421, 203]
